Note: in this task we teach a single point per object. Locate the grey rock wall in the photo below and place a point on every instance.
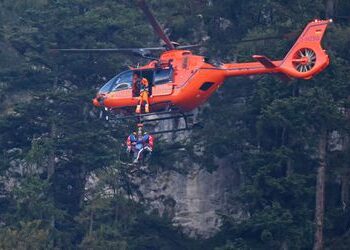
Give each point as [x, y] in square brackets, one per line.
[194, 201]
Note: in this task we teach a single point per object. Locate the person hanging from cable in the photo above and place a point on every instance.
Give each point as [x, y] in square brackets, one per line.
[144, 96]
[140, 145]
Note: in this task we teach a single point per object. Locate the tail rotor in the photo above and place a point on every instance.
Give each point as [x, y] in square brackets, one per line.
[304, 60]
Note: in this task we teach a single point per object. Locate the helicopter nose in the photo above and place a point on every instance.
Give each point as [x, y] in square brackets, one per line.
[98, 101]
[95, 102]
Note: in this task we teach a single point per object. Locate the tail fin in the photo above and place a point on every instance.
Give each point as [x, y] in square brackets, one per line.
[307, 58]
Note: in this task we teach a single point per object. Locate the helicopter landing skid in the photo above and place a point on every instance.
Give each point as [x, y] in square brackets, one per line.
[144, 115]
[164, 116]
[189, 124]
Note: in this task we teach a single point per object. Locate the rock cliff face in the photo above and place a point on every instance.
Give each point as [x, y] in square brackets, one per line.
[194, 201]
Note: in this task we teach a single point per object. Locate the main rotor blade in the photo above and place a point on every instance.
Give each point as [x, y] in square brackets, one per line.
[188, 46]
[135, 50]
[287, 36]
[141, 51]
[159, 31]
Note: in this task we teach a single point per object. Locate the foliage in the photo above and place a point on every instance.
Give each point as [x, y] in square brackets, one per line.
[51, 139]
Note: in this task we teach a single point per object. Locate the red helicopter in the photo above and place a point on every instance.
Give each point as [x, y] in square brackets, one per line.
[181, 81]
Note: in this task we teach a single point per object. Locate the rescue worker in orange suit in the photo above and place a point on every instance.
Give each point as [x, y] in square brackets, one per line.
[144, 96]
[139, 143]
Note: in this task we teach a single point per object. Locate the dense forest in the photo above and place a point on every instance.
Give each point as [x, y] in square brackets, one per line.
[292, 139]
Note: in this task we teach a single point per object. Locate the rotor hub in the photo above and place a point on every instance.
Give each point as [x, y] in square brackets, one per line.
[304, 60]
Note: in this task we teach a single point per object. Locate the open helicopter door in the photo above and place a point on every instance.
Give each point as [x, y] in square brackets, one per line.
[139, 74]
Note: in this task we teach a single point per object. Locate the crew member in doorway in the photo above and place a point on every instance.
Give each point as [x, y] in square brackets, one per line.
[144, 96]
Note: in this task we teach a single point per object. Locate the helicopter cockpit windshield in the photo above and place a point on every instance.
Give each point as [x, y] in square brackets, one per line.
[119, 82]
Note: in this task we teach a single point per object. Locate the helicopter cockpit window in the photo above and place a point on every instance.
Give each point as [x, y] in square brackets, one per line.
[162, 76]
[119, 82]
[107, 87]
[123, 81]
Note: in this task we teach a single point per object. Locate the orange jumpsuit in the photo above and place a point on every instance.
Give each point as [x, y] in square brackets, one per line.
[143, 96]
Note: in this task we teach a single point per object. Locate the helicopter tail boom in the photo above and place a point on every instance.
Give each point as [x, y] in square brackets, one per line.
[304, 60]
